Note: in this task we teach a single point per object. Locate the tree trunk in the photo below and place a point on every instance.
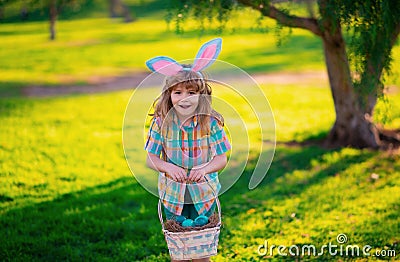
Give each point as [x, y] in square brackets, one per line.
[127, 13]
[1, 12]
[116, 6]
[24, 13]
[113, 6]
[53, 18]
[351, 127]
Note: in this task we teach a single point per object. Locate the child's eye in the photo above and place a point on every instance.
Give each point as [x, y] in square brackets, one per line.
[177, 92]
[192, 92]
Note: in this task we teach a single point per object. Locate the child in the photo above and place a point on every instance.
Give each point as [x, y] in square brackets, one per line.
[189, 136]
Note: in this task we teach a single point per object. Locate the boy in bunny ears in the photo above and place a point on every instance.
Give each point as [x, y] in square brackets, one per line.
[186, 141]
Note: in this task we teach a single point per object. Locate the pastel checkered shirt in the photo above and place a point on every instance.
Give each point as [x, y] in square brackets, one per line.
[187, 147]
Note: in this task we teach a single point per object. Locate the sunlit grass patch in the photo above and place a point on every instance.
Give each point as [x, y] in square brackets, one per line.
[66, 185]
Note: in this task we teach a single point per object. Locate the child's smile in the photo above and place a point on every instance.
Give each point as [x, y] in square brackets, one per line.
[184, 106]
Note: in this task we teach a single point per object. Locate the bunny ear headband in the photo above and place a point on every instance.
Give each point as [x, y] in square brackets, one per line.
[204, 58]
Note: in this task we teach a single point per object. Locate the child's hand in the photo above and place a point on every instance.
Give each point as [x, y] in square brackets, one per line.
[197, 175]
[177, 173]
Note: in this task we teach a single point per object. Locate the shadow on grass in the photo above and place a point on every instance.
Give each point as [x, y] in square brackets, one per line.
[376, 228]
[313, 194]
[14, 106]
[286, 161]
[376, 232]
[11, 89]
[118, 221]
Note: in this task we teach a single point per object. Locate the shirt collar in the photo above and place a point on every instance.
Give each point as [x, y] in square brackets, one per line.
[193, 123]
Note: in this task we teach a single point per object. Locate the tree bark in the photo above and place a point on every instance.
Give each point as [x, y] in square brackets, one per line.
[127, 13]
[113, 4]
[53, 18]
[351, 127]
[271, 11]
[118, 5]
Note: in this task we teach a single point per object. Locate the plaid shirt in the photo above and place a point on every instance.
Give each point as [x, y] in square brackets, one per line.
[187, 147]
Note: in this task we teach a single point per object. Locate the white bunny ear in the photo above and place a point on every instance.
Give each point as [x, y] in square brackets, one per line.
[164, 65]
[207, 54]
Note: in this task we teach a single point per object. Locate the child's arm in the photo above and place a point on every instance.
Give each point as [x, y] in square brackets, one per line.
[217, 163]
[155, 162]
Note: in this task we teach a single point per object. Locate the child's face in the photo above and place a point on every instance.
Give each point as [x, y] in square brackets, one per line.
[185, 100]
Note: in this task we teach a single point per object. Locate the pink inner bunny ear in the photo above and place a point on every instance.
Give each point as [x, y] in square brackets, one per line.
[207, 54]
[164, 65]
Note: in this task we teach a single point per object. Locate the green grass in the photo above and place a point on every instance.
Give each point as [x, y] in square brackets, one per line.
[66, 191]
[107, 47]
[103, 47]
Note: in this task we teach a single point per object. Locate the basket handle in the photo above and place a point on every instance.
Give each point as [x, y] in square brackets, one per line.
[162, 220]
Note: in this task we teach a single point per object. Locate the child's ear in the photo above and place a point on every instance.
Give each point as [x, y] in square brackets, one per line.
[207, 54]
[164, 65]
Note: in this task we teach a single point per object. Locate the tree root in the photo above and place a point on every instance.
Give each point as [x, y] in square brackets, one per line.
[389, 139]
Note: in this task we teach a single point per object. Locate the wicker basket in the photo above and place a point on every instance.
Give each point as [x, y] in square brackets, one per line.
[192, 244]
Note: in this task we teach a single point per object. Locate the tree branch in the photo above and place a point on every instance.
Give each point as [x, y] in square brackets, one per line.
[271, 11]
[395, 34]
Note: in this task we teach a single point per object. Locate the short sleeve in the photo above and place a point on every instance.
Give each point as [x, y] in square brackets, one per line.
[219, 140]
[154, 139]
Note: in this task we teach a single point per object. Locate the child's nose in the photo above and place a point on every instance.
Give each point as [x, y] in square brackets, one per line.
[186, 95]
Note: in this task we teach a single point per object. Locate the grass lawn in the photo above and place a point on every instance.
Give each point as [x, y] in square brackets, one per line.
[93, 47]
[106, 48]
[67, 194]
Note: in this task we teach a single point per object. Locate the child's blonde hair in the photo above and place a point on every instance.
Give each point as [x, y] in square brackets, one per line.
[198, 81]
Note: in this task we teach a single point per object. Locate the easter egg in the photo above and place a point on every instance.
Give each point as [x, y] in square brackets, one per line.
[187, 223]
[180, 219]
[201, 221]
